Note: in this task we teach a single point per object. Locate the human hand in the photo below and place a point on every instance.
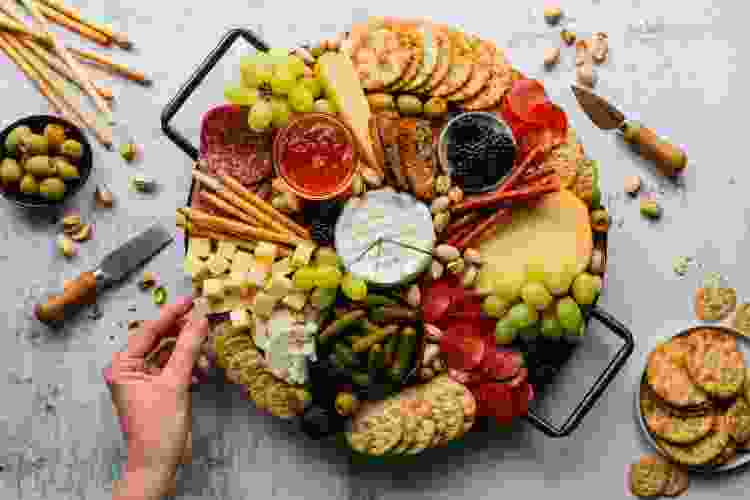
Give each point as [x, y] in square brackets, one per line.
[154, 405]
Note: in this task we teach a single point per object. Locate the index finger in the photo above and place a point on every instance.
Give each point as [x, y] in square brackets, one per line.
[179, 368]
[141, 343]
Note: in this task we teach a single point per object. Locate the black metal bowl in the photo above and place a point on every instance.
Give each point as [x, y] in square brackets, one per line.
[37, 123]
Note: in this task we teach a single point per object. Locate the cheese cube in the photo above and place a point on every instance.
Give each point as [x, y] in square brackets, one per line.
[258, 273]
[199, 247]
[263, 304]
[235, 283]
[282, 267]
[303, 254]
[295, 301]
[240, 320]
[241, 262]
[213, 289]
[279, 286]
[266, 252]
[246, 245]
[196, 268]
[226, 249]
[218, 265]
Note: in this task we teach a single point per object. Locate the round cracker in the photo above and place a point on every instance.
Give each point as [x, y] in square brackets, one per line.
[237, 363]
[281, 400]
[564, 159]
[661, 422]
[443, 66]
[378, 57]
[739, 420]
[491, 96]
[678, 482]
[468, 401]
[474, 86]
[459, 73]
[447, 411]
[715, 364]
[260, 386]
[432, 44]
[235, 343]
[699, 453]
[411, 425]
[747, 385]
[650, 476]
[251, 369]
[727, 455]
[425, 433]
[667, 376]
[379, 433]
[714, 303]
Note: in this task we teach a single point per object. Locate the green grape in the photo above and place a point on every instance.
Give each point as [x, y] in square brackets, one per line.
[508, 286]
[327, 256]
[535, 270]
[505, 332]
[323, 298]
[536, 295]
[551, 328]
[282, 81]
[558, 283]
[305, 278]
[256, 70]
[577, 335]
[529, 334]
[494, 307]
[281, 112]
[569, 315]
[522, 316]
[296, 65]
[323, 106]
[313, 85]
[278, 56]
[259, 118]
[329, 277]
[301, 99]
[241, 96]
[586, 288]
[354, 288]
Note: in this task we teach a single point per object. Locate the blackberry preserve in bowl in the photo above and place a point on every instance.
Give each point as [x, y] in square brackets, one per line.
[478, 150]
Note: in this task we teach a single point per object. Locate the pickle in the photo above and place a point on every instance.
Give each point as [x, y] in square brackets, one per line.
[376, 360]
[406, 349]
[409, 104]
[386, 314]
[377, 336]
[374, 300]
[345, 355]
[360, 378]
[381, 101]
[340, 325]
[391, 346]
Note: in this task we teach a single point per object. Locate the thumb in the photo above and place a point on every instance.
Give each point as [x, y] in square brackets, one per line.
[179, 368]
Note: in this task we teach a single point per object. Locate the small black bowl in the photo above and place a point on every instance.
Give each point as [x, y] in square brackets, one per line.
[37, 123]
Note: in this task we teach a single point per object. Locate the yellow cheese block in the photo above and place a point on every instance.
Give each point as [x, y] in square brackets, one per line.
[556, 232]
[340, 80]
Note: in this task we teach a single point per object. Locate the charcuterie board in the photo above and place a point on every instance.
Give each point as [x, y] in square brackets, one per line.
[414, 291]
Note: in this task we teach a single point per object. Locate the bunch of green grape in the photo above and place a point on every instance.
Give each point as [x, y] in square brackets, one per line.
[541, 302]
[274, 84]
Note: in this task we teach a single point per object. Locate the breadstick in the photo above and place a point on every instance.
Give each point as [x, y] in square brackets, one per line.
[118, 38]
[121, 69]
[73, 25]
[227, 208]
[202, 220]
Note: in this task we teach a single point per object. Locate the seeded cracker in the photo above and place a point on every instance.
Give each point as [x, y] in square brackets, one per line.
[377, 429]
[668, 377]
[650, 476]
[474, 86]
[678, 482]
[496, 88]
[444, 63]
[715, 363]
[672, 428]
[739, 420]
[237, 363]
[699, 453]
[257, 391]
[461, 70]
[415, 40]
[378, 56]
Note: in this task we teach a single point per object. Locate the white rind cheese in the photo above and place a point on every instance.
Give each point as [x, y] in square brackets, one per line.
[373, 237]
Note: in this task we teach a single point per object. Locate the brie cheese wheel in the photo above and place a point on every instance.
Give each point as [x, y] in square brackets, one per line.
[386, 238]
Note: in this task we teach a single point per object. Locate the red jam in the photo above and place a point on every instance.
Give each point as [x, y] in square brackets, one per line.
[315, 156]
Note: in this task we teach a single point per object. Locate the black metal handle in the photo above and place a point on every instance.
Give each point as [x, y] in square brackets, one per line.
[596, 390]
[174, 105]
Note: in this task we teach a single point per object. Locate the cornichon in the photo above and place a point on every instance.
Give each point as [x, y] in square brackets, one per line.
[375, 361]
[345, 355]
[391, 346]
[341, 324]
[374, 300]
[360, 378]
[406, 349]
[385, 314]
[377, 336]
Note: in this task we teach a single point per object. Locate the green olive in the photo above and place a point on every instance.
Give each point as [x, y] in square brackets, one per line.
[40, 166]
[13, 139]
[55, 134]
[409, 104]
[52, 188]
[35, 144]
[436, 107]
[346, 404]
[381, 101]
[72, 149]
[66, 170]
[29, 185]
[10, 171]
[632, 129]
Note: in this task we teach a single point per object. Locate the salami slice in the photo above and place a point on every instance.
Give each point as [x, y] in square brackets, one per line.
[501, 364]
[524, 96]
[462, 347]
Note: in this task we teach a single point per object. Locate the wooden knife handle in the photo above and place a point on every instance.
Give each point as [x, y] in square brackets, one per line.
[670, 159]
[79, 292]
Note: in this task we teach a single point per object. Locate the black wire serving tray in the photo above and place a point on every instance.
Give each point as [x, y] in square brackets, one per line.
[613, 365]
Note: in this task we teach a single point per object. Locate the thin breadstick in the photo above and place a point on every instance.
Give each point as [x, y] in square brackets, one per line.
[203, 220]
[13, 26]
[284, 251]
[225, 193]
[130, 74]
[58, 65]
[100, 103]
[41, 84]
[118, 38]
[264, 207]
[227, 208]
[74, 26]
[104, 134]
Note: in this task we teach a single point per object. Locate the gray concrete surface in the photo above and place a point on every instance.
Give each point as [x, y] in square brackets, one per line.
[674, 64]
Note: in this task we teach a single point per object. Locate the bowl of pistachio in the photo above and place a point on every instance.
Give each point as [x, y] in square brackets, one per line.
[44, 161]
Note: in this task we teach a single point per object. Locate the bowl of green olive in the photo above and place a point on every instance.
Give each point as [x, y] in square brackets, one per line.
[44, 161]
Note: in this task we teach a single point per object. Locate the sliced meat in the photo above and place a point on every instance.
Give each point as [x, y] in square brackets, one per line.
[417, 155]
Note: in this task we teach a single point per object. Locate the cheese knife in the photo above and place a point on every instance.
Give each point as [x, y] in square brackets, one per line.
[670, 159]
[114, 268]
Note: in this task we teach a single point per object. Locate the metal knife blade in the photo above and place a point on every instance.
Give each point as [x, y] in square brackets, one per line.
[602, 113]
[135, 252]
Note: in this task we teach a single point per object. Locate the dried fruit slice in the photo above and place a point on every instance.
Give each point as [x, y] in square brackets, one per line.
[501, 364]
[474, 86]
[461, 70]
[462, 346]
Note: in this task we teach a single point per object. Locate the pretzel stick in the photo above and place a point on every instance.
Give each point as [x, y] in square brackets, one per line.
[103, 134]
[118, 38]
[224, 192]
[268, 211]
[227, 208]
[203, 220]
[59, 66]
[41, 84]
[123, 70]
[73, 25]
[14, 26]
[70, 61]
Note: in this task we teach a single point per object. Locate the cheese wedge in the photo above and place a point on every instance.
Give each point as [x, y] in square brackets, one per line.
[339, 78]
